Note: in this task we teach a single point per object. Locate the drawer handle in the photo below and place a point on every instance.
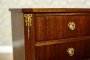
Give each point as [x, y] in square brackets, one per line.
[71, 25]
[70, 51]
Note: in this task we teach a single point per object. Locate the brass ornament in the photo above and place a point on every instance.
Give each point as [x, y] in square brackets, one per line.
[70, 51]
[71, 25]
[28, 20]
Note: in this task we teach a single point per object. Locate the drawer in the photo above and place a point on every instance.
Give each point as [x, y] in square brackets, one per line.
[75, 26]
[64, 51]
[54, 27]
[48, 28]
[87, 49]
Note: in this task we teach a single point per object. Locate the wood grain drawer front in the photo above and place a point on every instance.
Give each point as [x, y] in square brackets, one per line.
[48, 28]
[87, 52]
[59, 51]
[81, 26]
[51, 27]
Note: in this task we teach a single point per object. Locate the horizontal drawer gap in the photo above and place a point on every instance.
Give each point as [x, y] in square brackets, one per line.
[43, 43]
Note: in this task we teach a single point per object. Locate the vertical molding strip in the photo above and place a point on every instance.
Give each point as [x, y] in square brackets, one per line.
[28, 20]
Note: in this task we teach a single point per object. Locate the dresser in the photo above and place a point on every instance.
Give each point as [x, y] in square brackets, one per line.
[51, 33]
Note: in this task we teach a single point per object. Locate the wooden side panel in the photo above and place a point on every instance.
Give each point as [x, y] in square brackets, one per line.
[18, 36]
[23, 48]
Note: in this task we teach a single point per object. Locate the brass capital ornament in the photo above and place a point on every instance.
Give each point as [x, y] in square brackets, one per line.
[28, 21]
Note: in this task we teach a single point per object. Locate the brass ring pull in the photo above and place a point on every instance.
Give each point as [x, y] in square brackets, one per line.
[71, 25]
[70, 51]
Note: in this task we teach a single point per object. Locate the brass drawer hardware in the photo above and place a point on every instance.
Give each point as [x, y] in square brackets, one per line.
[28, 20]
[71, 25]
[70, 51]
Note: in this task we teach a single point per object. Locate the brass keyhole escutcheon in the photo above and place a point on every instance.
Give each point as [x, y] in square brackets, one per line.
[70, 51]
[71, 25]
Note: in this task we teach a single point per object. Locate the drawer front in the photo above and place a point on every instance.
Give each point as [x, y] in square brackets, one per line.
[87, 48]
[75, 26]
[64, 51]
[48, 28]
[53, 27]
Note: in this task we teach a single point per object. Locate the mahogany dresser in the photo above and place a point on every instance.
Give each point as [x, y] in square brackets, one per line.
[51, 33]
